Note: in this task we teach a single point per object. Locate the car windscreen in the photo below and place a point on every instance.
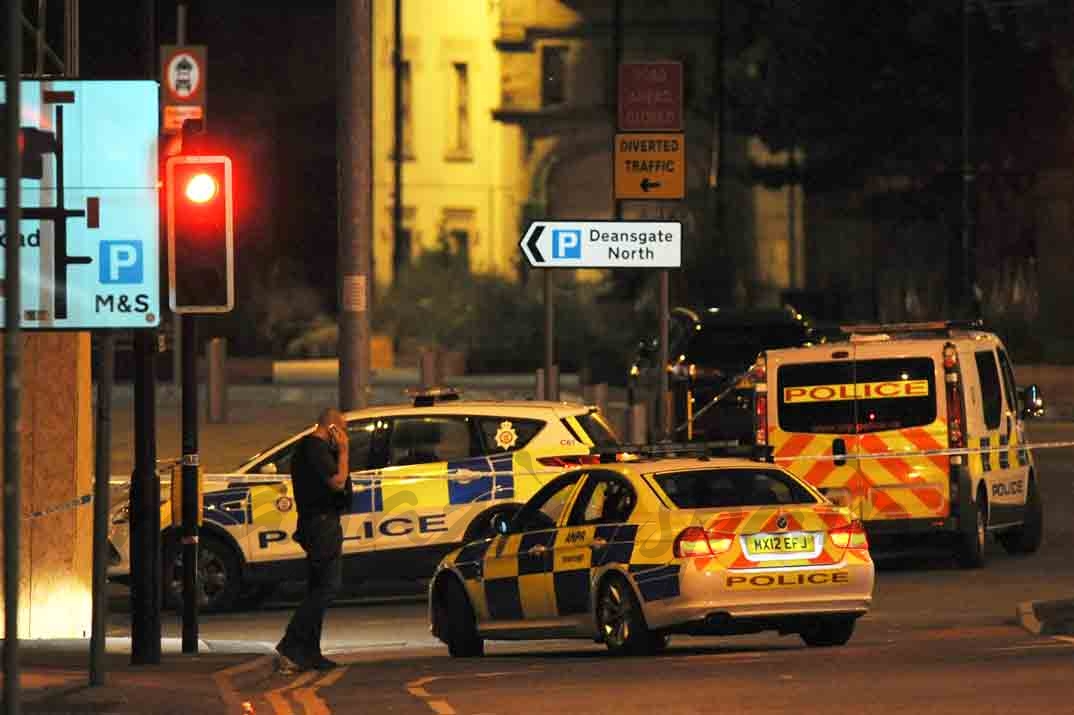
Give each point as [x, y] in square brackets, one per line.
[726, 345]
[734, 487]
[856, 397]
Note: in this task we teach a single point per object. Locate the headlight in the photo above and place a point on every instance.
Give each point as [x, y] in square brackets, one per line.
[121, 515]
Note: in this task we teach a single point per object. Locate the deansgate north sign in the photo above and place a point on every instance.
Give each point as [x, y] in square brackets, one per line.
[603, 244]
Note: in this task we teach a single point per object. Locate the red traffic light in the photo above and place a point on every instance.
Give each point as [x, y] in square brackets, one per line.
[200, 234]
[201, 188]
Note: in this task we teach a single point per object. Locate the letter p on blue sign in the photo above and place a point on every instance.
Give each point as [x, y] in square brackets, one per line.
[121, 262]
[566, 243]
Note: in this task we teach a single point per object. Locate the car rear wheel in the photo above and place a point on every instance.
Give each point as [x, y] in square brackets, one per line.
[828, 631]
[1025, 539]
[971, 547]
[621, 623]
[459, 627]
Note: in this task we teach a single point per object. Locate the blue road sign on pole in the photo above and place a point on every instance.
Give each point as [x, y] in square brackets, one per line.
[603, 244]
[90, 220]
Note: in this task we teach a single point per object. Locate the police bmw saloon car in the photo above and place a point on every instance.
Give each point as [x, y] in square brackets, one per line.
[630, 553]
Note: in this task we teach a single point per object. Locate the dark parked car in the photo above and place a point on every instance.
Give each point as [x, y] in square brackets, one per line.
[711, 351]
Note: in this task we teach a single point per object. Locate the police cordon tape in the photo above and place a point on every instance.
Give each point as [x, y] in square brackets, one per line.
[56, 509]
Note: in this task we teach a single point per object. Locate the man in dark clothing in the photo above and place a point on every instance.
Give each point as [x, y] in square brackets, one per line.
[319, 473]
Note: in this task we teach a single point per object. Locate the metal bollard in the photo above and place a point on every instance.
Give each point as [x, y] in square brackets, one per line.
[538, 388]
[638, 423]
[217, 381]
[599, 397]
[553, 383]
[427, 369]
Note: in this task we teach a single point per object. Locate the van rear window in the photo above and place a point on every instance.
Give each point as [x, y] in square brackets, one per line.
[856, 397]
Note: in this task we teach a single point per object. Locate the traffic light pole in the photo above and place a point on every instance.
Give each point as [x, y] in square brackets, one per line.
[190, 485]
[145, 508]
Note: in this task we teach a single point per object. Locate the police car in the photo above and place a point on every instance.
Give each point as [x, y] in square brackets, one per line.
[918, 425]
[427, 477]
[629, 553]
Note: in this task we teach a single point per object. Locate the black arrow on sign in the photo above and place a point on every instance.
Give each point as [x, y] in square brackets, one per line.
[646, 185]
[531, 243]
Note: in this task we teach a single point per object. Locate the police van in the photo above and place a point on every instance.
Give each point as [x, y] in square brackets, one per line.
[918, 427]
[426, 477]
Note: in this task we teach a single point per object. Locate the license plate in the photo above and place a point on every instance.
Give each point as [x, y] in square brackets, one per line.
[765, 544]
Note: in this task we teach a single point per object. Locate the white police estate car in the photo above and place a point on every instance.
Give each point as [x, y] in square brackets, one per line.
[427, 478]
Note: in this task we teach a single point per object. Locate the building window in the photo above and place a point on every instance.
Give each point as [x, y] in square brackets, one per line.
[402, 243]
[459, 141]
[553, 75]
[407, 107]
[458, 233]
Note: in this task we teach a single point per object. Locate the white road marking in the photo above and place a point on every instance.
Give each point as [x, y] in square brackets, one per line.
[441, 706]
[228, 693]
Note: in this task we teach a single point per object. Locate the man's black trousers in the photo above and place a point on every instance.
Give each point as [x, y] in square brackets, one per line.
[321, 536]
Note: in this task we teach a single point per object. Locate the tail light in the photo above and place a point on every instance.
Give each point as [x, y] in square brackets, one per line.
[570, 461]
[695, 541]
[851, 536]
[956, 408]
[758, 374]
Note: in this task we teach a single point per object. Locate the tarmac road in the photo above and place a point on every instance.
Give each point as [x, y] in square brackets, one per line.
[938, 639]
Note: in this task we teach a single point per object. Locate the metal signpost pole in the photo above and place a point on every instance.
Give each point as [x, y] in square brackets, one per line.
[103, 468]
[551, 389]
[12, 360]
[189, 476]
[662, 416]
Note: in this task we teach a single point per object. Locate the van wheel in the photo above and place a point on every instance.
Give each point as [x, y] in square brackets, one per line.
[459, 625]
[828, 631]
[219, 575]
[971, 547]
[1025, 539]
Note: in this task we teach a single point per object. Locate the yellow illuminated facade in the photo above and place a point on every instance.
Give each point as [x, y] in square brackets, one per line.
[453, 189]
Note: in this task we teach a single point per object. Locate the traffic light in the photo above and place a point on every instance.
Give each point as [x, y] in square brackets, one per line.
[200, 242]
[33, 145]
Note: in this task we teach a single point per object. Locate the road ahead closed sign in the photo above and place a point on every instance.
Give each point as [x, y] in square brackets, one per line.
[603, 244]
[650, 166]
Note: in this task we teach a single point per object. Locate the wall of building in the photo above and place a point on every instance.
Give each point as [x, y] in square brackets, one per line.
[57, 469]
[452, 189]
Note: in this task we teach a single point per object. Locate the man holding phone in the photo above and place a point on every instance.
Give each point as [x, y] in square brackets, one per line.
[319, 473]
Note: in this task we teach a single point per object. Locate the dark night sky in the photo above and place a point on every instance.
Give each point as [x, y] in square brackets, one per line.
[271, 73]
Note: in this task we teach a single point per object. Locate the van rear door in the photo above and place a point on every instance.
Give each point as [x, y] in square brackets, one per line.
[863, 404]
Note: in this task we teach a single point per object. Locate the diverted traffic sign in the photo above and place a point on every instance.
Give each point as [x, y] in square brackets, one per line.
[650, 166]
[183, 76]
[650, 96]
[90, 231]
[603, 244]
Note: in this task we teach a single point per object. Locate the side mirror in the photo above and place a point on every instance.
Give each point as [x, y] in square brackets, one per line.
[1031, 403]
[501, 524]
[268, 468]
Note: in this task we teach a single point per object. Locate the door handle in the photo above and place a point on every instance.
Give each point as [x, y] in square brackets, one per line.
[537, 550]
[839, 451]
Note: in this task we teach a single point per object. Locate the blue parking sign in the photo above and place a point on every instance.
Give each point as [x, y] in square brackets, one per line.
[121, 262]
